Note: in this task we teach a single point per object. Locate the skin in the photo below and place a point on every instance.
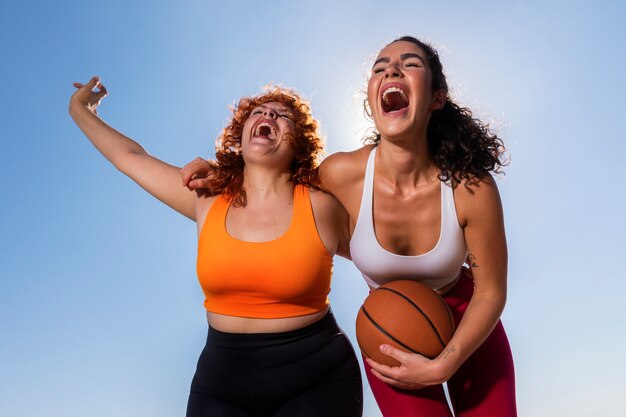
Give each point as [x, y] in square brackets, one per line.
[268, 212]
[407, 209]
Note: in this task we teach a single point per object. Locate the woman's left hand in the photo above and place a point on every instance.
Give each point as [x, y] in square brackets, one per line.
[415, 371]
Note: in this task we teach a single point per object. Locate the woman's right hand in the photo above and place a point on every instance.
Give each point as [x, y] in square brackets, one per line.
[153, 175]
[197, 174]
[86, 95]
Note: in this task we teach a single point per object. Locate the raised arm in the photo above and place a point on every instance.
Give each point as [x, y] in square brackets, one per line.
[160, 179]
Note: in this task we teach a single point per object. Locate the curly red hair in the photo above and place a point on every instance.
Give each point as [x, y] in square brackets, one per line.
[227, 175]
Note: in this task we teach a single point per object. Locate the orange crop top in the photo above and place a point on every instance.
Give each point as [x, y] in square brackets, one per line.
[286, 277]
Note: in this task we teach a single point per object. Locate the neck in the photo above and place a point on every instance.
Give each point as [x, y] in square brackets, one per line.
[261, 184]
[405, 162]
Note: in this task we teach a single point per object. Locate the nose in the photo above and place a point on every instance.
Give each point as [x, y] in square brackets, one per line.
[392, 71]
[270, 113]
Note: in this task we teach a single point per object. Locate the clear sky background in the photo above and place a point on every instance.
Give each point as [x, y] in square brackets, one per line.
[100, 310]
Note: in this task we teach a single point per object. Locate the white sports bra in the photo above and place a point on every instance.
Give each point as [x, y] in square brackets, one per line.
[435, 268]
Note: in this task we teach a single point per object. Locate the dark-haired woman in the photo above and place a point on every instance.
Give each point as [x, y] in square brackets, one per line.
[423, 206]
[265, 246]
[423, 202]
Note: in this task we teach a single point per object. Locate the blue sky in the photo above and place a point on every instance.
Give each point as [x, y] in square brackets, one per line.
[100, 310]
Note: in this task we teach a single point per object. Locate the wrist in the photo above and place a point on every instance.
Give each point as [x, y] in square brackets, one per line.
[447, 363]
[75, 107]
[80, 111]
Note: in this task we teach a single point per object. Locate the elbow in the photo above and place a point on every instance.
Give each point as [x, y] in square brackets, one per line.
[126, 162]
[496, 297]
[71, 109]
[500, 301]
[75, 110]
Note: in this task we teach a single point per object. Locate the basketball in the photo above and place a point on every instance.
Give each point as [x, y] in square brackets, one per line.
[406, 315]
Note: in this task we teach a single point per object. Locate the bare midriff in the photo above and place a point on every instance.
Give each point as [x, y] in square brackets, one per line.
[233, 324]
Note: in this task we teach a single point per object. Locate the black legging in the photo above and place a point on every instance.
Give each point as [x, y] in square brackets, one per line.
[309, 372]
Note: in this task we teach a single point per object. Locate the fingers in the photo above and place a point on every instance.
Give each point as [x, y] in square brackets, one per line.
[93, 82]
[395, 382]
[414, 371]
[194, 170]
[186, 172]
[102, 91]
[388, 380]
[197, 183]
[384, 372]
[379, 366]
[397, 354]
[93, 91]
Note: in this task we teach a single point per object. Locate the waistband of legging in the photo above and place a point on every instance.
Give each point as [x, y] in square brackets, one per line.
[327, 322]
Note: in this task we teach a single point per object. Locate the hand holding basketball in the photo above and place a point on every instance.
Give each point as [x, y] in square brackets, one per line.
[400, 328]
[414, 372]
[406, 315]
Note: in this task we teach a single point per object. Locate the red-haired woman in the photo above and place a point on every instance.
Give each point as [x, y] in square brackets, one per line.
[422, 202]
[266, 238]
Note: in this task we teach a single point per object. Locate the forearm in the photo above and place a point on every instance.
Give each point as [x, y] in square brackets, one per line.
[112, 144]
[480, 318]
[155, 176]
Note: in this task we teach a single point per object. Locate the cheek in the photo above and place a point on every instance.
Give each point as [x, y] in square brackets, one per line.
[287, 132]
[247, 125]
[372, 92]
[422, 81]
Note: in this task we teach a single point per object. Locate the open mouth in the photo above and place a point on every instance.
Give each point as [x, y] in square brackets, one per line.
[265, 130]
[394, 99]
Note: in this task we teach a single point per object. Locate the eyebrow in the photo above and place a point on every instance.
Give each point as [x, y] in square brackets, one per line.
[402, 58]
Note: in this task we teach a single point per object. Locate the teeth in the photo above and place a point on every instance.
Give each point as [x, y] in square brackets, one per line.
[394, 90]
[272, 134]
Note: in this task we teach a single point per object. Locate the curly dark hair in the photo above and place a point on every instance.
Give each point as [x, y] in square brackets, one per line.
[461, 146]
[227, 175]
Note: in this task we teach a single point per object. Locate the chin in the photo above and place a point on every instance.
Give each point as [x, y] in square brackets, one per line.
[391, 132]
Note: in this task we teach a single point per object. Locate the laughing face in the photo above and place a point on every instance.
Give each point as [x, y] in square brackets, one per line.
[269, 130]
[400, 93]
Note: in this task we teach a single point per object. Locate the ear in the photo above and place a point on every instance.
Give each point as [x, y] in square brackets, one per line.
[439, 99]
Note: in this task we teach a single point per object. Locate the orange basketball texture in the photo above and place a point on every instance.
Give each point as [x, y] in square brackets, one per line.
[407, 315]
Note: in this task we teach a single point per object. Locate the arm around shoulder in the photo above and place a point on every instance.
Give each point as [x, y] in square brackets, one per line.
[332, 223]
[342, 173]
[336, 169]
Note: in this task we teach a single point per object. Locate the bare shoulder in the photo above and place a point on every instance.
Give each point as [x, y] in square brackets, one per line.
[203, 205]
[206, 200]
[323, 202]
[327, 209]
[476, 187]
[344, 166]
[332, 222]
[477, 196]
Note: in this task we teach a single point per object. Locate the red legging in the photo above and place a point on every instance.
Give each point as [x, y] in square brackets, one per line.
[483, 386]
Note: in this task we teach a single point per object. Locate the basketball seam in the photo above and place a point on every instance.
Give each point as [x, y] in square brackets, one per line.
[449, 311]
[418, 309]
[450, 316]
[383, 331]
